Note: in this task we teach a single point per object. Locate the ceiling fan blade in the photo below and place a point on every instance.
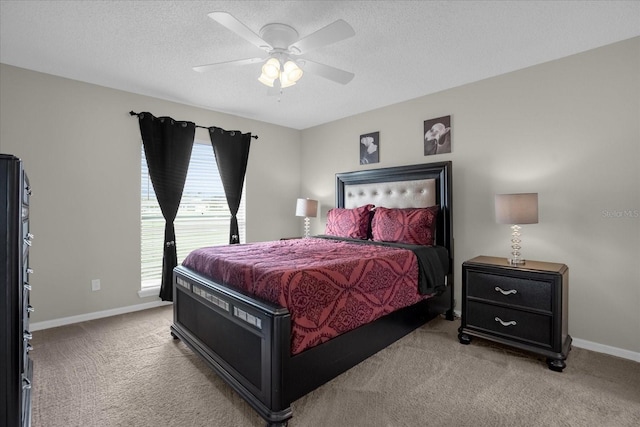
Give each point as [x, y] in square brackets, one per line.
[335, 74]
[335, 32]
[209, 67]
[240, 29]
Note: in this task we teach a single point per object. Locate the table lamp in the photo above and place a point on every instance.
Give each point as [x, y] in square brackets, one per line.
[516, 209]
[306, 208]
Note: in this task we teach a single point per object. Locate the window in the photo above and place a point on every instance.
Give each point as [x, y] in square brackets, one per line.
[203, 217]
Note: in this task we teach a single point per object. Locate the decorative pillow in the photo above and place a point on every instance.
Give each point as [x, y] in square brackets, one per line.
[351, 223]
[414, 226]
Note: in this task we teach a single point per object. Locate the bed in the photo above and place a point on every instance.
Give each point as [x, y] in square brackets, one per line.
[248, 339]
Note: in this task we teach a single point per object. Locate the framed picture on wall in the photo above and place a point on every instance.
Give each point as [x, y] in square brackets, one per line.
[437, 136]
[370, 148]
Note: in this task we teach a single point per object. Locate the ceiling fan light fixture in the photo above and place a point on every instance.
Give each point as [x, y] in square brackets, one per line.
[271, 68]
[266, 80]
[285, 82]
[292, 71]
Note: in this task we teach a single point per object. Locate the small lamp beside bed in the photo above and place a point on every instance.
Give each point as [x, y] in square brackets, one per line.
[516, 209]
[306, 208]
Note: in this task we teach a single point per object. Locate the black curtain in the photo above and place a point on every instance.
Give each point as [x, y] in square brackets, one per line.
[167, 147]
[231, 149]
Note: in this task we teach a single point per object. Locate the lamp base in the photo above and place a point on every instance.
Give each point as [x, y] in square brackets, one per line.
[306, 227]
[515, 246]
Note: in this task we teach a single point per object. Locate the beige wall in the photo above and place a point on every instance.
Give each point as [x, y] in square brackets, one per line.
[567, 129]
[81, 150]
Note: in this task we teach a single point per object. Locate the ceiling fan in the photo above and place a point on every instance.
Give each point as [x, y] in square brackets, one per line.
[283, 66]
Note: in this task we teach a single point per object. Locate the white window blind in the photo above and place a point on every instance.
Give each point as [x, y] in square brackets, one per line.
[203, 217]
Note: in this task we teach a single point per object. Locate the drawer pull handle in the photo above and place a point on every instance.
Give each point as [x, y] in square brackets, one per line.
[509, 323]
[503, 292]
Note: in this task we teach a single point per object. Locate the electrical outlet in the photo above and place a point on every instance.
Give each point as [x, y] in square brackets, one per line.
[95, 285]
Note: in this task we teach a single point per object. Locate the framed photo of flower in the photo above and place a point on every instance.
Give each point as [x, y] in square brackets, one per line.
[437, 136]
[370, 148]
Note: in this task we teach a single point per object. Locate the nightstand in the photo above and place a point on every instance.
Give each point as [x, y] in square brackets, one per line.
[521, 306]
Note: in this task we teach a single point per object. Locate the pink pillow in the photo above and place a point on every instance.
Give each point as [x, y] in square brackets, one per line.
[351, 223]
[413, 226]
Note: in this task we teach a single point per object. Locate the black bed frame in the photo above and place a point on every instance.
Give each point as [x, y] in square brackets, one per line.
[247, 340]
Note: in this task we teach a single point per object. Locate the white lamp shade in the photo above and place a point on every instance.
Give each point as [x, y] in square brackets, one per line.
[266, 80]
[517, 209]
[285, 82]
[307, 208]
[292, 71]
[271, 68]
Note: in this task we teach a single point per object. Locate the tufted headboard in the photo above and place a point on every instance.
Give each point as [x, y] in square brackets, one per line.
[395, 194]
[402, 187]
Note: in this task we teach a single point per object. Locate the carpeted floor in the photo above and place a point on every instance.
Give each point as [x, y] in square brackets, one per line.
[128, 371]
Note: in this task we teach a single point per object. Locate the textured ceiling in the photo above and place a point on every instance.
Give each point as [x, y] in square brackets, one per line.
[401, 50]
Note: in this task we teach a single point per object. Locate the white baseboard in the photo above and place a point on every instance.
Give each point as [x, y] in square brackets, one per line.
[606, 349]
[36, 326]
[599, 348]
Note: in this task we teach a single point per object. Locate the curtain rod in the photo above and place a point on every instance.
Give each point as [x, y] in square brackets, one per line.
[198, 126]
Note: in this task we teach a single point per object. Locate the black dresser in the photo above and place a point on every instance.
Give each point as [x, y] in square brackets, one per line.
[523, 306]
[15, 364]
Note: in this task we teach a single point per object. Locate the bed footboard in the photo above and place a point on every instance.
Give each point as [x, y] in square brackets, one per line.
[245, 341]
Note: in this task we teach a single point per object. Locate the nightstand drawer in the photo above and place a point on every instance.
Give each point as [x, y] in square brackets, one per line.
[531, 327]
[510, 290]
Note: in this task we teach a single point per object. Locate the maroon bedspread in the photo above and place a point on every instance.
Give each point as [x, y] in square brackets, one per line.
[328, 286]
